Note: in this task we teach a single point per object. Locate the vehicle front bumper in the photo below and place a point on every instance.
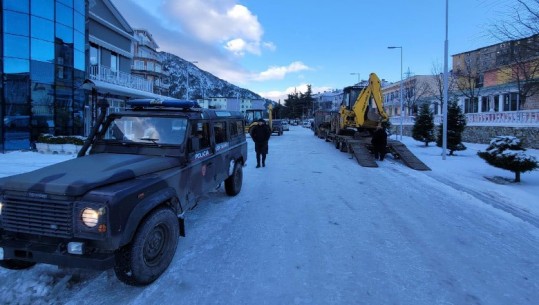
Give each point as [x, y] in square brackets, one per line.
[54, 255]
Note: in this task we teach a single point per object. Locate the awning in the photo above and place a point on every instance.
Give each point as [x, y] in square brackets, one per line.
[104, 88]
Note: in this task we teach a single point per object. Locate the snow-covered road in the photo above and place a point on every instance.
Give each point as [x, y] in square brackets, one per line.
[313, 227]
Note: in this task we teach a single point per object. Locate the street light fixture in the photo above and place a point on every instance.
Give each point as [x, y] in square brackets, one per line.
[401, 105]
[192, 62]
[358, 76]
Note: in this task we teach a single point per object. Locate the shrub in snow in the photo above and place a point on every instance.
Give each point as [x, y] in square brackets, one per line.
[507, 153]
[424, 125]
[456, 122]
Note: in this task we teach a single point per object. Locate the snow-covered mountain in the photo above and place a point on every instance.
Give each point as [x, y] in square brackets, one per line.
[202, 84]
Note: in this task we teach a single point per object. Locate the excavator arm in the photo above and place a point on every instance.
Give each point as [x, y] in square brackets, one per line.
[356, 116]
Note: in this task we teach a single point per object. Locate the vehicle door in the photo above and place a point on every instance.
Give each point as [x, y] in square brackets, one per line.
[201, 158]
[223, 156]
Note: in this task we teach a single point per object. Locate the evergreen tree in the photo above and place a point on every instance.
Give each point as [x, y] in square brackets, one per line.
[506, 152]
[423, 130]
[456, 122]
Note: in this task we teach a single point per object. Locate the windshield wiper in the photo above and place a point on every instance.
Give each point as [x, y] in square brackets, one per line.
[153, 140]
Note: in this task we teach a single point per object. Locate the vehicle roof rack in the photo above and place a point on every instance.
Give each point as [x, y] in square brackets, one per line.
[149, 103]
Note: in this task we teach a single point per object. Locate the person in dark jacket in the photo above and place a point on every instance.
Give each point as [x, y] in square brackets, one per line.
[260, 134]
[379, 143]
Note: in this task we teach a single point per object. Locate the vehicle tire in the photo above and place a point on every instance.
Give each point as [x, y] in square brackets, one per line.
[150, 252]
[234, 182]
[15, 264]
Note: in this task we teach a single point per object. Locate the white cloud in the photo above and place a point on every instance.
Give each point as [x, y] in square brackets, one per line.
[221, 22]
[281, 72]
[276, 95]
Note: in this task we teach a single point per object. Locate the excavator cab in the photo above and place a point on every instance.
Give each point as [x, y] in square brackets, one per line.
[253, 115]
[356, 111]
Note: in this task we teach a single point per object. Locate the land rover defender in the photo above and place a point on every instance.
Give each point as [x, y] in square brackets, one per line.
[121, 203]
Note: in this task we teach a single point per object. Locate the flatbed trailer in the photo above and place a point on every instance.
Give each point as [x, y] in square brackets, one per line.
[360, 148]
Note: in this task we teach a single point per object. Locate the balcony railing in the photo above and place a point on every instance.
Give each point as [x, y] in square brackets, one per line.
[507, 118]
[105, 74]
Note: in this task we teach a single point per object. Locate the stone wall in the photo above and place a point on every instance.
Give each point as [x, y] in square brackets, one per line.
[483, 134]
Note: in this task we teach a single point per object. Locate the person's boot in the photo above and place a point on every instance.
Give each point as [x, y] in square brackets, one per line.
[257, 161]
[263, 161]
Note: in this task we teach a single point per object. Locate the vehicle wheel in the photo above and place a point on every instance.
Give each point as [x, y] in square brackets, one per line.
[234, 182]
[150, 252]
[15, 264]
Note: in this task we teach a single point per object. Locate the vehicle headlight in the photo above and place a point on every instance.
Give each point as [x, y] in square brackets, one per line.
[90, 217]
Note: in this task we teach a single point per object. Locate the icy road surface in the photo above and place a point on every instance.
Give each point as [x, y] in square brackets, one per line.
[314, 227]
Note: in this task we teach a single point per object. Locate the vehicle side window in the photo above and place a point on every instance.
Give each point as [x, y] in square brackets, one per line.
[200, 136]
[219, 129]
[235, 128]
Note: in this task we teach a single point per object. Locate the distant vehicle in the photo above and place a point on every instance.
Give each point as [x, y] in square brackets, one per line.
[286, 126]
[307, 124]
[277, 127]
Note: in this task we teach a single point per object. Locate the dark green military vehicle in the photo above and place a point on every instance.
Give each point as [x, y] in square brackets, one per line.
[121, 203]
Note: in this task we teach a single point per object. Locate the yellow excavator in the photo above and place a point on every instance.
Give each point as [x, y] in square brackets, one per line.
[355, 114]
[253, 115]
[359, 116]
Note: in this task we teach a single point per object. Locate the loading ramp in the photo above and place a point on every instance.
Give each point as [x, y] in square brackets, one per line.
[360, 149]
[402, 152]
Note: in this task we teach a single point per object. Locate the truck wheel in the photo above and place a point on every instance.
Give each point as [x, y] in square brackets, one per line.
[150, 252]
[234, 182]
[15, 264]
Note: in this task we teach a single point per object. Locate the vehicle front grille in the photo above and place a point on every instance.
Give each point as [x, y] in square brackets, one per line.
[37, 216]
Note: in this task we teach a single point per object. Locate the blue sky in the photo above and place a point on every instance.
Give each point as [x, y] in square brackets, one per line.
[276, 47]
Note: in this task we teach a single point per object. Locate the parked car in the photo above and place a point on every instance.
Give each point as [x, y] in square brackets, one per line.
[286, 126]
[277, 127]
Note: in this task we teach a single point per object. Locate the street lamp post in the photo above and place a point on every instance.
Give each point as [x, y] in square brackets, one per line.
[358, 76]
[401, 104]
[192, 62]
[445, 98]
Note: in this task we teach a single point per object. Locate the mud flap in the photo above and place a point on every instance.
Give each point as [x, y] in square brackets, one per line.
[181, 223]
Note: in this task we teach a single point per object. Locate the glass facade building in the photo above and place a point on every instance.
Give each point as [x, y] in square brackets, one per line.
[43, 66]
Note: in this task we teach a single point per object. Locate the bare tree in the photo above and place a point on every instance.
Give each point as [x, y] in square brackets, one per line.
[438, 85]
[522, 21]
[415, 91]
[467, 76]
[517, 60]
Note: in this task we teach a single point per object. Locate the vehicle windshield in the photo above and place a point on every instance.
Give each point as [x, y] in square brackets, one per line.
[157, 130]
[254, 115]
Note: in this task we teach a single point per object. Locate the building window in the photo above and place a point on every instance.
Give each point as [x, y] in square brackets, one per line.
[139, 65]
[485, 105]
[16, 23]
[471, 105]
[94, 55]
[113, 62]
[510, 102]
[16, 5]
